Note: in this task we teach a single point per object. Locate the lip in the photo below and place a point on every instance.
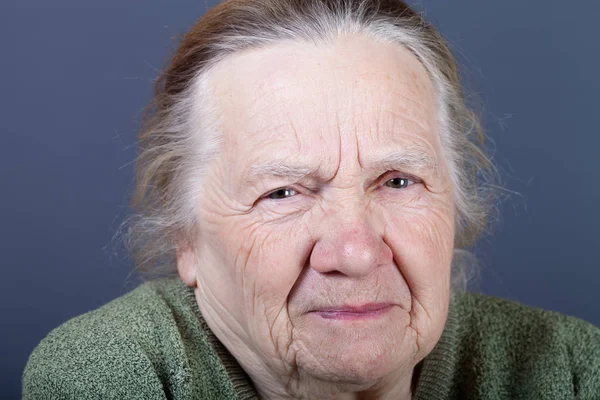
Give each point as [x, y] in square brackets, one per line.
[365, 311]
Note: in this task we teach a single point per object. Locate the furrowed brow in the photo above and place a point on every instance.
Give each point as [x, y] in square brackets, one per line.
[407, 160]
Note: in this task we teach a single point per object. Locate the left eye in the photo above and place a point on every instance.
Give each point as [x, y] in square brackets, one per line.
[397, 183]
[282, 193]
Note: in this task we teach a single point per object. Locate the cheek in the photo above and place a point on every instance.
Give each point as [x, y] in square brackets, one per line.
[421, 239]
[267, 259]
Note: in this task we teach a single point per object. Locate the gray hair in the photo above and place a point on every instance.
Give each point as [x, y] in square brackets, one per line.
[181, 130]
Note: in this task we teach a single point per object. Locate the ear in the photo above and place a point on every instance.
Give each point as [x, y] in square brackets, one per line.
[186, 265]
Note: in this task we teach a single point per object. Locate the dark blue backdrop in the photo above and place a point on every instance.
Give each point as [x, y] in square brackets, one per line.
[76, 75]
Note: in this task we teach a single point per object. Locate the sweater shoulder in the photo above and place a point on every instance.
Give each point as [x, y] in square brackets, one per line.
[109, 352]
[528, 348]
[507, 318]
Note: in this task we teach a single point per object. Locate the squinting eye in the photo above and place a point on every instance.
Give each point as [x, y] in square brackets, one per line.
[282, 193]
[397, 183]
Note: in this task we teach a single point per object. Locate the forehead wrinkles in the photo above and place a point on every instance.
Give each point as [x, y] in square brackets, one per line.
[297, 126]
[313, 108]
[293, 117]
[330, 109]
[394, 113]
[395, 117]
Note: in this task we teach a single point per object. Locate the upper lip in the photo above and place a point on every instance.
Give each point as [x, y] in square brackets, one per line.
[364, 308]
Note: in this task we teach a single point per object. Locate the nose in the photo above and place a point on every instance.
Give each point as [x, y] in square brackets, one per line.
[352, 248]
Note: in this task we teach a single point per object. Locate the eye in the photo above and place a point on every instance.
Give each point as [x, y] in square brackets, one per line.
[397, 183]
[282, 193]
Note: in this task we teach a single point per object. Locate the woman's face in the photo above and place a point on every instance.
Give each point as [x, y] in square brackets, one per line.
[326, 222]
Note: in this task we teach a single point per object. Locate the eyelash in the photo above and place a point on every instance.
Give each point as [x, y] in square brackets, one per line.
[410, 181]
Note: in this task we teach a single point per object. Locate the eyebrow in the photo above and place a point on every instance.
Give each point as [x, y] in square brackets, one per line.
[406, 160]
[412, 159]
[278, 169]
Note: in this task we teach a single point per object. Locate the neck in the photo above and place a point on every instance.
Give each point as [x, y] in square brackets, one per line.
[401, 391]
[398, 386]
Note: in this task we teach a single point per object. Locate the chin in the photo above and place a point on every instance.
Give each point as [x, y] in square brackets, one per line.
[359, 355]
[363, 365]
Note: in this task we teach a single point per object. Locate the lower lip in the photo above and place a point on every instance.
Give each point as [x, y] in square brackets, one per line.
[353, 315]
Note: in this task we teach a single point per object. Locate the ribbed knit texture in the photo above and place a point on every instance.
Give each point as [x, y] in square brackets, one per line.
[152, 343]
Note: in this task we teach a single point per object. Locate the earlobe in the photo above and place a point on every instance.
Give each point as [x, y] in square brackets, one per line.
[186, 266]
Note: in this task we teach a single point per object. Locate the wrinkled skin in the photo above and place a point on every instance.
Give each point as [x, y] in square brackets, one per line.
[341, 232]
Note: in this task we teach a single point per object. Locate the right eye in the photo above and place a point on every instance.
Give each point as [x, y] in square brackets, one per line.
[282, 193]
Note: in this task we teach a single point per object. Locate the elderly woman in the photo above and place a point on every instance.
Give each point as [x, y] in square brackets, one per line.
[310, 174]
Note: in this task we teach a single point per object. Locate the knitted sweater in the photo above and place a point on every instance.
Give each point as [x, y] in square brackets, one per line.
[152, 343]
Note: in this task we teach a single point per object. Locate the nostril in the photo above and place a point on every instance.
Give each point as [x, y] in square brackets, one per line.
[334, 274]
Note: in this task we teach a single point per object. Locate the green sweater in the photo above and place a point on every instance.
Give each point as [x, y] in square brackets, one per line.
[152, 343]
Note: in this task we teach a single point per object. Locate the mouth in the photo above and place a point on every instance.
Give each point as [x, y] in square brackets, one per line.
[365, 311]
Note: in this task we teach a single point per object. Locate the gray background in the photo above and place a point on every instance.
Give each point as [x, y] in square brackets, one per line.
[76, 75]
